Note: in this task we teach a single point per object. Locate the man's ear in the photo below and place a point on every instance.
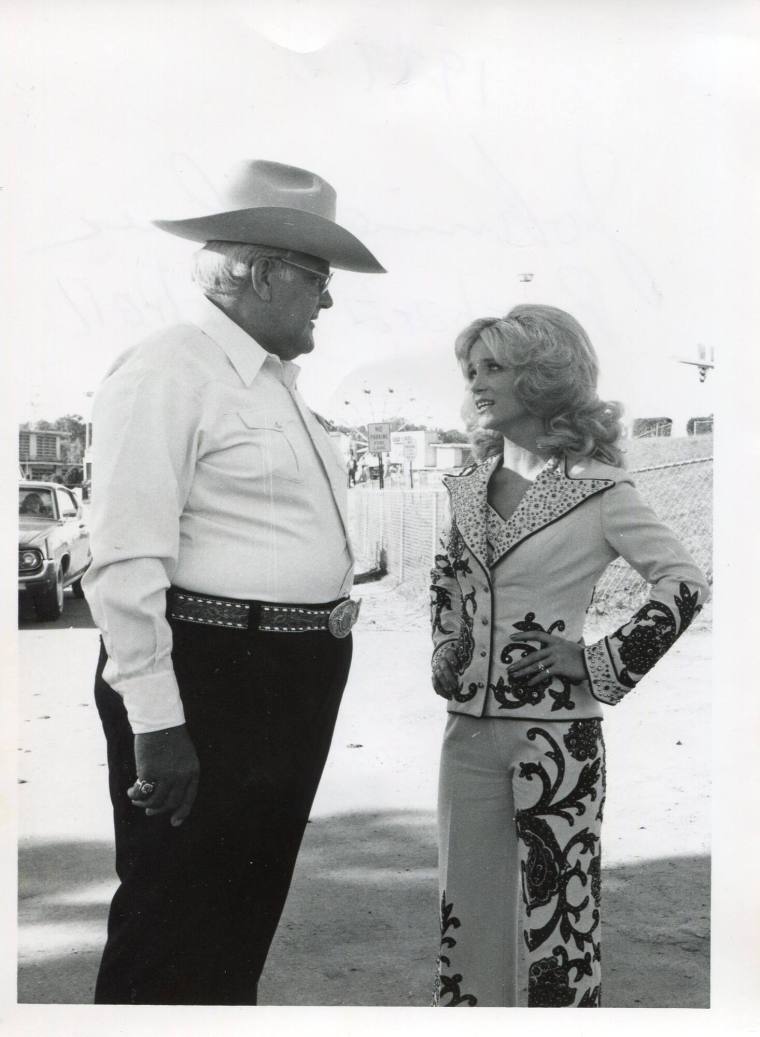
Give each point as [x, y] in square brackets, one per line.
[261, 278]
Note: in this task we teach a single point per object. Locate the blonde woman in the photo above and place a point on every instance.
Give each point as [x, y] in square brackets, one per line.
[534, 523]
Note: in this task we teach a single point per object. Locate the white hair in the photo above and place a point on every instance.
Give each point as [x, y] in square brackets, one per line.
[223, 268]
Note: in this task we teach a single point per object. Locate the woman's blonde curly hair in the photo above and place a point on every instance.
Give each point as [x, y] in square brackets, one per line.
[556, 372]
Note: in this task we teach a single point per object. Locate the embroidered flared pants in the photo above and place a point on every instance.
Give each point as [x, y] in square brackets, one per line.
[519, 817]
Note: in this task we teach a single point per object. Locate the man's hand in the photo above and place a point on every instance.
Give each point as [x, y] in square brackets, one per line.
[168, 761]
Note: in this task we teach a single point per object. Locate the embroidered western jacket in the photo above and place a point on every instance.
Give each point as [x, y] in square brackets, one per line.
[537, 571]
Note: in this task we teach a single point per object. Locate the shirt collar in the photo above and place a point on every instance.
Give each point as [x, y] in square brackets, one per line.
[242, 350]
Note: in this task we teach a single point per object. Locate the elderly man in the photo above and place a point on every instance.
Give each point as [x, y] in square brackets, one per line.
[220, 582]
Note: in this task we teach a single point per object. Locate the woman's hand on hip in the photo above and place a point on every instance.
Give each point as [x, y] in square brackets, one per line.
[557, 657]
[445, 678]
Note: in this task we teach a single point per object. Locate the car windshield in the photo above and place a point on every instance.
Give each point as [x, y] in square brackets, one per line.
[35, 502]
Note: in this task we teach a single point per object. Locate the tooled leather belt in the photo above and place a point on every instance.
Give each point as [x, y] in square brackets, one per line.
[335, 617]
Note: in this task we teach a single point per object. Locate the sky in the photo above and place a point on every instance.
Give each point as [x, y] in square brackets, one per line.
[596, 146]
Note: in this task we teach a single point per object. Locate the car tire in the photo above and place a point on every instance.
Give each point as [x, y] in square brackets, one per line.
[77, 588]
[49, 604]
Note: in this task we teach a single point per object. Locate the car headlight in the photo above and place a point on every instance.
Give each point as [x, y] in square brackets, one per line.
[29, 559]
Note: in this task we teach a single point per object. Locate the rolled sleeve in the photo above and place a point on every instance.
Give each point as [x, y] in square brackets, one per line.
[145, 429]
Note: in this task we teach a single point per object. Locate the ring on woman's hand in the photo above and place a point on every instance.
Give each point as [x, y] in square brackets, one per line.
[144, 788]
[540, 667]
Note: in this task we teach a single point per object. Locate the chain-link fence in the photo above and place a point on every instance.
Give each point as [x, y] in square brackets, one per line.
[399, 529]
[681, 494]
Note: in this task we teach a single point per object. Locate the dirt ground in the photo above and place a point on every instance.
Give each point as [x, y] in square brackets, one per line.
[360, 925]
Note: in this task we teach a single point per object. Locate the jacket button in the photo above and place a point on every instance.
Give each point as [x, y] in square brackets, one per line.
[483, 654]
[484, 621]
[481, 684]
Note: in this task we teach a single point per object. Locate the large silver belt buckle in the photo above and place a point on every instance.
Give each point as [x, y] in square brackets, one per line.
[343, 617]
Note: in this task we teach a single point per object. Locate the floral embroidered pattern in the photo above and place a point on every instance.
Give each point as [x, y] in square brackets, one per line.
[440, 601]
[582, 739]
[592, 998]
[595, 877]
[449, 986]
[549, 979]
[651, 632]
[512, 694]
[465, 644]
[454, 559]
[551, 862]
[457, 552]
[442, 569]
[451, 565]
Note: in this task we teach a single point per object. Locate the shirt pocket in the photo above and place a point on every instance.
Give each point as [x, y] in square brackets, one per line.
[267, 446]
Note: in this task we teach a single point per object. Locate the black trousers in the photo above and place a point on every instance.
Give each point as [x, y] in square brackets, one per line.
[198, 905]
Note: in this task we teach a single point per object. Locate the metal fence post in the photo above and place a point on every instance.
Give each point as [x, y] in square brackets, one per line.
[434, 527]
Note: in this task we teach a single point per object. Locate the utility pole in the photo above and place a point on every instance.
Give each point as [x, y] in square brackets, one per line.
[525, 280]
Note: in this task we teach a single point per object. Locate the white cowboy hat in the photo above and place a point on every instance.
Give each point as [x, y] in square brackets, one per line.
[267, 203]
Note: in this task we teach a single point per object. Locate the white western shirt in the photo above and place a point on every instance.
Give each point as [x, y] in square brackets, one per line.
[211, 474]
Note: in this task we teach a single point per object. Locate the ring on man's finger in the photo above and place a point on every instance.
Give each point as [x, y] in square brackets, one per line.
[144, 788]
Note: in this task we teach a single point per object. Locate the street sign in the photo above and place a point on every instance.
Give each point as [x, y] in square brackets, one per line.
[379, 437]
[410, 451]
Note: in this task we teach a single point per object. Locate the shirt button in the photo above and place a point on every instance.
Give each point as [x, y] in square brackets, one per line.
[481, 684]
[484, 621]
[483, 654]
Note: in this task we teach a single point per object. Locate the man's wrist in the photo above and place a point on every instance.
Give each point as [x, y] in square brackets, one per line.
[152, 702]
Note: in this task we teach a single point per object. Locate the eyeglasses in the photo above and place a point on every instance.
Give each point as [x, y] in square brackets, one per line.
[322, 280]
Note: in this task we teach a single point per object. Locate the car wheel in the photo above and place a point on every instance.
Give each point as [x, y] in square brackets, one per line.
[77, 588]
[49, 604]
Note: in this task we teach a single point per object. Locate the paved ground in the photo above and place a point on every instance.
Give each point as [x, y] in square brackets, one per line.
[360, 926]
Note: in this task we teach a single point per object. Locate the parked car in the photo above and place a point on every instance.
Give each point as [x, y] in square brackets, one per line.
[53, 545]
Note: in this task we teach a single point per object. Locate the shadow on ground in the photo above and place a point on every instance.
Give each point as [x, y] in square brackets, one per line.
[76, 614]
[360, 926]
[64, 893]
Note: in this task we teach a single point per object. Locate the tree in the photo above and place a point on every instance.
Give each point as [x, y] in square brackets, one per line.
[453, 435]
[73, 425]
[652, 427]
[699, 426]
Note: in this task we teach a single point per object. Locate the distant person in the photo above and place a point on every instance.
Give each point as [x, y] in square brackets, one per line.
[221, 581]
[31, 505]
[534, 523]
[351, 468]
